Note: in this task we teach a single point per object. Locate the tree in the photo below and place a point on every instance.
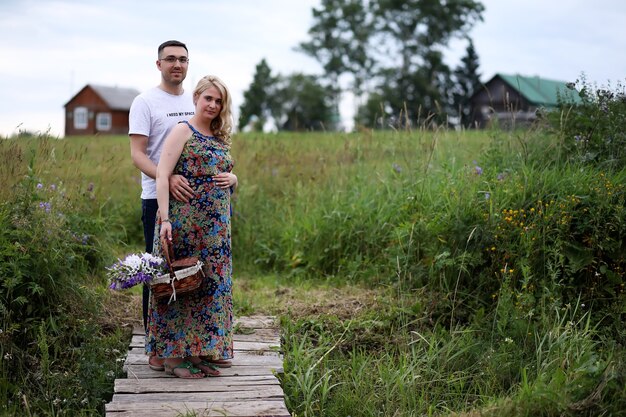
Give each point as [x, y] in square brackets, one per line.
[415, 32]
[417, 96]
[374, 113]
[466, 83]
[396, 45]
[258, 100]
[339, 37]
[339, 41]
[303, 104]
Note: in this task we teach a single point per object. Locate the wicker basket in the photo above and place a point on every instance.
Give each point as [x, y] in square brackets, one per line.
[185, 276]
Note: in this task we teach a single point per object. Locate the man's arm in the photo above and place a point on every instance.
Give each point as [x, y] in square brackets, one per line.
[138, 153]
[179, 186]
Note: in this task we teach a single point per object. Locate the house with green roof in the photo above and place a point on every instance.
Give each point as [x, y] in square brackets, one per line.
[513, 100]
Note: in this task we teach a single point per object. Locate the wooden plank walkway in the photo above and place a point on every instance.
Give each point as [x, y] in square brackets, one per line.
[250, 388]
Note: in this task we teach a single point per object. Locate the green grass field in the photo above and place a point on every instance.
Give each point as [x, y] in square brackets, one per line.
[415, 273]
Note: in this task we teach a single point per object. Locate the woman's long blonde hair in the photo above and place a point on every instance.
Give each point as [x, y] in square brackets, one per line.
[222, 125]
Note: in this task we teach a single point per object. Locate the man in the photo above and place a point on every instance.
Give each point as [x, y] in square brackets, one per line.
[152, 116]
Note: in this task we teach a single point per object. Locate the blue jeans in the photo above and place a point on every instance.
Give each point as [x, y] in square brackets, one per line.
[148, 217]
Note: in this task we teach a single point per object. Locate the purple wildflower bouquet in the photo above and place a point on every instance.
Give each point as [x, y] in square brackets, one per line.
[133, 270]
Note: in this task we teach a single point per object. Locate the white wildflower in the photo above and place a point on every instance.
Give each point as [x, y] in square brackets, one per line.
[151, 258]
[134, 269]
[133, 262]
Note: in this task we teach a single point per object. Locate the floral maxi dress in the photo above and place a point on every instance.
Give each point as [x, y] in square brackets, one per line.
[200, 323]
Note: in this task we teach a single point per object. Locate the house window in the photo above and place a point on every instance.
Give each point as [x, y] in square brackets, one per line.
[103, 121]
[80, 118]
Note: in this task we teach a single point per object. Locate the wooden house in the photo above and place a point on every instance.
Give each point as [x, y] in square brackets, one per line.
[97, 109]
[513, 100]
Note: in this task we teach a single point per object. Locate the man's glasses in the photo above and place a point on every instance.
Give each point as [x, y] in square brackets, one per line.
[172, 59]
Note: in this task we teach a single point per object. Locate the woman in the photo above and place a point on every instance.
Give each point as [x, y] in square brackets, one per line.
[194, 333]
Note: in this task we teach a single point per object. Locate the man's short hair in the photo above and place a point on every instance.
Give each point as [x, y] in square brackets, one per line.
[171, 43]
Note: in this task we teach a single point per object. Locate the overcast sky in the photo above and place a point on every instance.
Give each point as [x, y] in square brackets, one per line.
[53, 48]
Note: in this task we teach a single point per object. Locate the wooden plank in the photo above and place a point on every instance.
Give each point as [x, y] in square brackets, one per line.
[249, 322]
[237, 345]
[265, 392]
[241, 359]
[271, 333]
[255, 335]
[206, 409]
[211, 384]
[198, 413]
[259, 335]
[141, 389]
[256, 322]
[249, 388]
[256, 346]
[144, 372]
[259, 352]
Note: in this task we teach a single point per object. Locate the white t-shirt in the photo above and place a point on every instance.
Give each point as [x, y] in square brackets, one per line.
[153, 114]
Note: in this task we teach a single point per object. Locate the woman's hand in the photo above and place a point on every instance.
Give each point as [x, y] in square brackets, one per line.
[166, 231]
[225, 180]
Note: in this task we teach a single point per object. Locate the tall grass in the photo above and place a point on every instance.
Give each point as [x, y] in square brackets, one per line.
[60, 229]
[504, 260]
[503, 243]
[93, 169]
[369, 366]
[371, 210]
[326, 204]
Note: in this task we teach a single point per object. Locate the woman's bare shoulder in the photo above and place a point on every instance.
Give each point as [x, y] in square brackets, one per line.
[182, 128]
[180, 131]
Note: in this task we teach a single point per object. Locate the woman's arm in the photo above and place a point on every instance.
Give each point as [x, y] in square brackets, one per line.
[172, 148]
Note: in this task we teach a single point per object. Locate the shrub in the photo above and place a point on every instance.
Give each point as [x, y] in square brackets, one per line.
[52, 344]
[560, 244]
[592, 131]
